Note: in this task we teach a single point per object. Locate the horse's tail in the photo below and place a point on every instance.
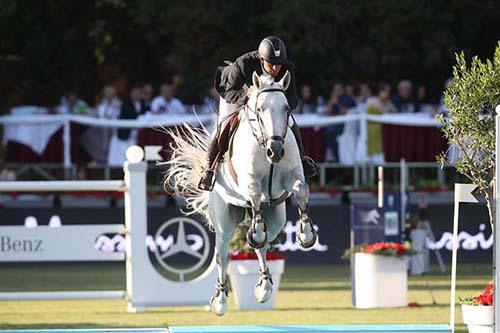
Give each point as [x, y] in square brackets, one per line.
[184, 169]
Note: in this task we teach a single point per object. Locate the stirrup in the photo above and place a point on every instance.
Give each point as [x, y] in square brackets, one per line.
[207, 181]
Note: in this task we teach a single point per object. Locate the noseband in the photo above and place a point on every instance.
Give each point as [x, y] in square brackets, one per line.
[260, 133]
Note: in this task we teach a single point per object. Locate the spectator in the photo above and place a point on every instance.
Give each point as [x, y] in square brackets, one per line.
[349, 90]
[166, 102]
[132, 107]
[306, 101]
[96, 140]
[110, 105]
[403, 100]
[147, 96]
[339, 103]
[423, 104]
[380, 104]
[365, 92]
[71, 103]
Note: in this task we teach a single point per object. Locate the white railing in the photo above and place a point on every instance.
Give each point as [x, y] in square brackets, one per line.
[63, 186]
[149, 121]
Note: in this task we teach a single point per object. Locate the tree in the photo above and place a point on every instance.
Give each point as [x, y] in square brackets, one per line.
[470, 122]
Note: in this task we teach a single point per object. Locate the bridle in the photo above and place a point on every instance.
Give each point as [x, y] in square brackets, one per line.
[260, 133]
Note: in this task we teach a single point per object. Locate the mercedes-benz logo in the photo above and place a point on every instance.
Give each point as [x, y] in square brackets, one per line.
[181, 245]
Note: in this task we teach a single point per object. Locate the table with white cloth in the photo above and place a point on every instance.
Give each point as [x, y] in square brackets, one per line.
[33, 138]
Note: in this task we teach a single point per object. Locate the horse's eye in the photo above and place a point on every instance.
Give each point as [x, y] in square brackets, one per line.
[259, 110]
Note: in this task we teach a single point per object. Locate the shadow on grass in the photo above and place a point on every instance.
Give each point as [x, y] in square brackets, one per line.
[474, 286]
[45, 326]
[351, 308]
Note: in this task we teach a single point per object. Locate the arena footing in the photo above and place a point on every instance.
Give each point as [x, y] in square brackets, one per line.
[313, 329]
[92, 330]
[380, 328]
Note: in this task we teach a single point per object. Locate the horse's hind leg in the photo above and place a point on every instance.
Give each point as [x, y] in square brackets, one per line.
[276, 218]
[305, 230]
[225, 218]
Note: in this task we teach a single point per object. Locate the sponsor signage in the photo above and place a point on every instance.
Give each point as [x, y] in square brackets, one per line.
[92, 241]
[65, 243]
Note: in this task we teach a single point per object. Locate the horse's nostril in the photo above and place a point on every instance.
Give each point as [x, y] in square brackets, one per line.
[270, 152]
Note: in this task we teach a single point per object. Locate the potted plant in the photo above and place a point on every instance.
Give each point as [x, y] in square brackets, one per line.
[379, 274]
[477, 311]
[243, 271]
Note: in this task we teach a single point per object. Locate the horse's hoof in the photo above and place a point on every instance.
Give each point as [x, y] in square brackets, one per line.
[263, 290]
[255, 244]
[306, 244]
[218, 305]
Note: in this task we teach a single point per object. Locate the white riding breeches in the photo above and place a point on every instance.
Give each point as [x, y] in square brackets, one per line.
[225, 110]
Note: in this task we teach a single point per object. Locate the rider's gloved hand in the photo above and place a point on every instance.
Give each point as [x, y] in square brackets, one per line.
[250, 91]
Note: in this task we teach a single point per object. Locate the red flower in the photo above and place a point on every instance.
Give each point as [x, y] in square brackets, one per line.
[486, 298]
[388, 248]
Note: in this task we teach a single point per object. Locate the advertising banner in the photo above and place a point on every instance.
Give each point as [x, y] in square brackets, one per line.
[89, 240]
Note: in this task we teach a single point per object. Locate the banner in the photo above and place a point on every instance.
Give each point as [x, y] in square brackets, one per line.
[333, 223]
[64, 243]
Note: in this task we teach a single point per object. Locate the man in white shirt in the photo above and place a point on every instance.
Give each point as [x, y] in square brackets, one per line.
[110, 104]
[166, 102]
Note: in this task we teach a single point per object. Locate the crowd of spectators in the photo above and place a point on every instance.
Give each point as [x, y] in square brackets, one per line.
[363, 97]
[140, 100]
[343, 99]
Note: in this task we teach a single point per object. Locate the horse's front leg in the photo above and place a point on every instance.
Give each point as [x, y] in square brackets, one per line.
[218, 303]
[257, 234]
[225, 218]
[264, 287]
[306, 234]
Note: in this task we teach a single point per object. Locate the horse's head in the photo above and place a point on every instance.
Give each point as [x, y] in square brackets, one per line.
[270, 106]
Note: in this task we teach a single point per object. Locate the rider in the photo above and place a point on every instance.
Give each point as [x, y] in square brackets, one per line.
[234, 84]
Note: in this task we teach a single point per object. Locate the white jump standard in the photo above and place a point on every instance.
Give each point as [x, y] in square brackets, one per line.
[145, 287]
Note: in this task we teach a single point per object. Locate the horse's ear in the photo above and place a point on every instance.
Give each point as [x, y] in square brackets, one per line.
[285, 81]
[256, 80]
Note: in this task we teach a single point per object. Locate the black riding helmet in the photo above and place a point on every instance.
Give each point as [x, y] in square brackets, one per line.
[272, 49]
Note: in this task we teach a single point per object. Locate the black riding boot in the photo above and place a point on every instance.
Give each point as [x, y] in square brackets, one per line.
[308, 164]
[208, 177]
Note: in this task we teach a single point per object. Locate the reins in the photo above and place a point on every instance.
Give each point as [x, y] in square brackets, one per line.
[263, 137]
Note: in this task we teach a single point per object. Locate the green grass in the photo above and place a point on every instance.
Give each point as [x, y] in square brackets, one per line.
[308, 295]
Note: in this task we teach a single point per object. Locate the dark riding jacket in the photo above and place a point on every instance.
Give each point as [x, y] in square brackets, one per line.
[233, 81]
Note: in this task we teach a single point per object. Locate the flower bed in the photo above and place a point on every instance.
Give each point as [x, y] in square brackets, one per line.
[249, 255]
[382, 248]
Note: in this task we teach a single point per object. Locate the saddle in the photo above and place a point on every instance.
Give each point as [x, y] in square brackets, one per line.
[225, 141]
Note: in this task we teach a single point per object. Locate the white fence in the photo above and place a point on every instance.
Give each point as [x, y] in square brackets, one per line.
[354, 136]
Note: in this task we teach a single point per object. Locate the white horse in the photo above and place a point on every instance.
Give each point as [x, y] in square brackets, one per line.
[266, 169]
